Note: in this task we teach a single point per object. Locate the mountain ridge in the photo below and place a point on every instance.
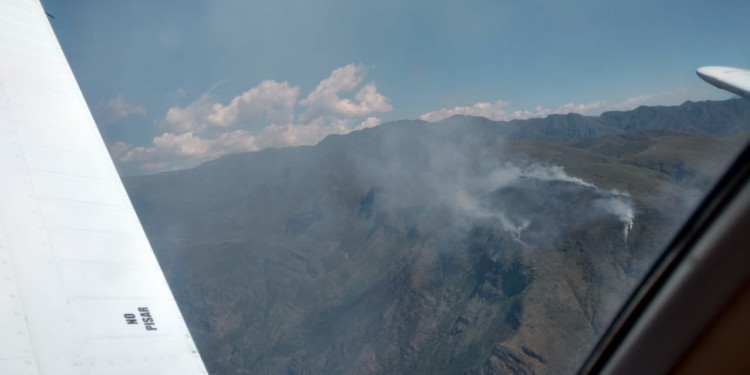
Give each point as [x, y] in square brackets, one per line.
[580, 126]
[415, 247]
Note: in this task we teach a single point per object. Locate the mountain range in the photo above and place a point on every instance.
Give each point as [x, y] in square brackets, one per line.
[467, 246]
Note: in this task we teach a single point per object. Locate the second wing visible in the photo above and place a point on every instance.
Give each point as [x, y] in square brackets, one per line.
[734, 80]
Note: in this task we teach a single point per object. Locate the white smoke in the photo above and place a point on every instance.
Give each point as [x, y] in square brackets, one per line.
[470, 207]
[544, 172]
[510, 173]
[465, 182]
[614, 202]
[620, 205]
[514, 227]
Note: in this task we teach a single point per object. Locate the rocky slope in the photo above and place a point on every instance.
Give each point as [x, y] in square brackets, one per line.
[467, 246]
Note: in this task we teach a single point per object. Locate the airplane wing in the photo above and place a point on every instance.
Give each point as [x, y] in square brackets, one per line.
[734, 80]
[81, 291]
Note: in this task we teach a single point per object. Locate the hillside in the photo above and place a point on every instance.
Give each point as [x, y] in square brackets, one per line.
[467, 246]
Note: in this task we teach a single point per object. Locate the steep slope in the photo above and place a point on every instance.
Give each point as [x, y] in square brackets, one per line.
[427, 248]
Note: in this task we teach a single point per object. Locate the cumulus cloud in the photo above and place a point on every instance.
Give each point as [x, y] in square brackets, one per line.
[370, 122]
[118, 108]
[174, 151]
[269, 101]
[325, 100]
[171, 151]
[277, 135]
[263, 116]
[500, 110]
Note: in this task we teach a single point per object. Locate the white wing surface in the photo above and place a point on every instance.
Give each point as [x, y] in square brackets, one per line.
[81, 291]
[734, 80]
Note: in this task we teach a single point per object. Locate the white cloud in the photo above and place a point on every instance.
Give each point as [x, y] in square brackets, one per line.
[174, 151]
[118, 108]
[499, 111]
[277, 135]
[206, 128]
[311, 133]
[493, 111]
[193, 117]
[269, 101]
[370, 122]
[325, 99]
[670, 97]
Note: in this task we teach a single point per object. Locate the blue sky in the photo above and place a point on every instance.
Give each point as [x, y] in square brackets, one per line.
[175, 83]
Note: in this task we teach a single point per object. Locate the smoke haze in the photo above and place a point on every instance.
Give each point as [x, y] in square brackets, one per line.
[477, 185]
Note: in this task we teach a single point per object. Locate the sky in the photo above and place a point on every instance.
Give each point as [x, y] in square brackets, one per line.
[172, 84]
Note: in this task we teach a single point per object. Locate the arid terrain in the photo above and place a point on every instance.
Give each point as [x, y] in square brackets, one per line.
[465, 246]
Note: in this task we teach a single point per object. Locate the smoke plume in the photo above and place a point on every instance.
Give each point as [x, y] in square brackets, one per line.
[620, 204]
[526, 199]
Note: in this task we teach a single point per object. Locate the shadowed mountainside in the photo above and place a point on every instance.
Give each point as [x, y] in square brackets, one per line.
[466, 246]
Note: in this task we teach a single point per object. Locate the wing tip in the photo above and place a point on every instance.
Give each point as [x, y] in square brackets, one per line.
[734, 80]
